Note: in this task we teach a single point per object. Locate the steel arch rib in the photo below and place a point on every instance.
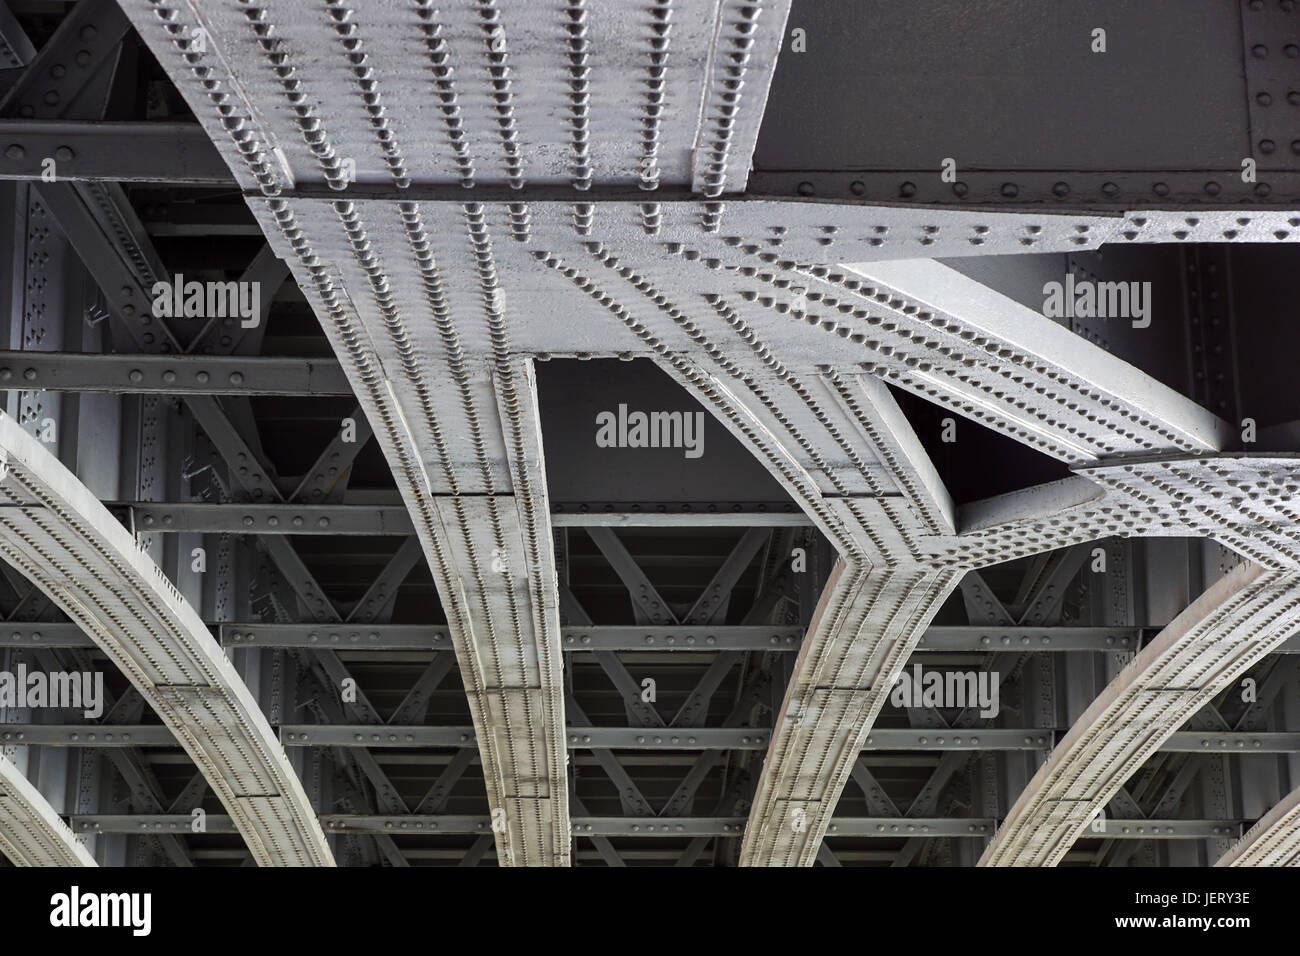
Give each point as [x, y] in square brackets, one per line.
[458, 422]
[1273, 841]
[1203, 650]
[879, 599]
[31, 832]
[57, 534]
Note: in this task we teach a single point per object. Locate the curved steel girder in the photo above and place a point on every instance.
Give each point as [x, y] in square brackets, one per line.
[864, 629]
[770, 405]
[876, 604]
[54, 531]
[458, 423]
[1211, 644]
[1030, 378]
[31, 832]
[1242, 501]
[464, 445]
[1273, 841]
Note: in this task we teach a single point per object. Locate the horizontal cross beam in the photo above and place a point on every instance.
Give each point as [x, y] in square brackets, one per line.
[272, 519]
[686, 519]
[686, 639]
[1024, 639]
[577, 738]
[172, 374]
[574, 639]
[176, 154]
[390, 519]
[591, 826]
[634, 738]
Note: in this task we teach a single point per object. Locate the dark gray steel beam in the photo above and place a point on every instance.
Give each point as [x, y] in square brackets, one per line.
[267, 519]
[1231, 741]
[87, 735]
[363, 519]
[1021, 639]
[692, 519]
[327, 478]
[16, 50]
[631, 738]
[740, 637]
[596, 826]
[379, 637]
[60, 77]
[178, 154]
[171, 374]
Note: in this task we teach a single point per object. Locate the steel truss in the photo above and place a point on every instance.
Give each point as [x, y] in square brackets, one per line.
[739, 339]
[787, 319]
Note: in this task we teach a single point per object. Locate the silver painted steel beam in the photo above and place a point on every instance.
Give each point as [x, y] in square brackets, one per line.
[674, 92]
[1238, 742]
[31, 832]
[54, 531]
[1203, 650]
[1071, 399]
